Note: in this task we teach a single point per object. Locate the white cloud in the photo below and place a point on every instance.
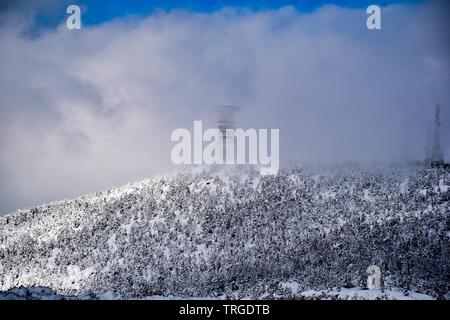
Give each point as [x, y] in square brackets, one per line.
[82, 110]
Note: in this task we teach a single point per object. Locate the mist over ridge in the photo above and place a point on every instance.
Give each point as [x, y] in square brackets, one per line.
[89, 110]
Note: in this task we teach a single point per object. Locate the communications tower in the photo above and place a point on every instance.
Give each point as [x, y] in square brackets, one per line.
[224, 123]
[436, 154]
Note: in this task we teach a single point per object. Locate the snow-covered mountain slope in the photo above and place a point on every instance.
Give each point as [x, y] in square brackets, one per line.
[238, 234]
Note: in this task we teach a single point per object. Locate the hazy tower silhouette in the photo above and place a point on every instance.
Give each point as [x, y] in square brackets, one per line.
[225, 122]
[436, 154]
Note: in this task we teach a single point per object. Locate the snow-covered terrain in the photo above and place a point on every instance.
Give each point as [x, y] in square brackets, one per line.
[236, 234]
[40, 293]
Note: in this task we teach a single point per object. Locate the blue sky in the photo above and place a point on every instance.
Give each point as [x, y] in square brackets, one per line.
[49, 13]
[100, 11]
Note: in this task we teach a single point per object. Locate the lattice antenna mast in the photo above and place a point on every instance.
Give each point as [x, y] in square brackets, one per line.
[437, 154]
[225, 122]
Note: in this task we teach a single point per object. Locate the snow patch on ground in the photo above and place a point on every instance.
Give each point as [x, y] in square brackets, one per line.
[112, 243]
[352, 293]
[360, 294]
[42, 293]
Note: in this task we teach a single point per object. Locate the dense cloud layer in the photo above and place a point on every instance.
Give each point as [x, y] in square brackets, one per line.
[82, 110]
